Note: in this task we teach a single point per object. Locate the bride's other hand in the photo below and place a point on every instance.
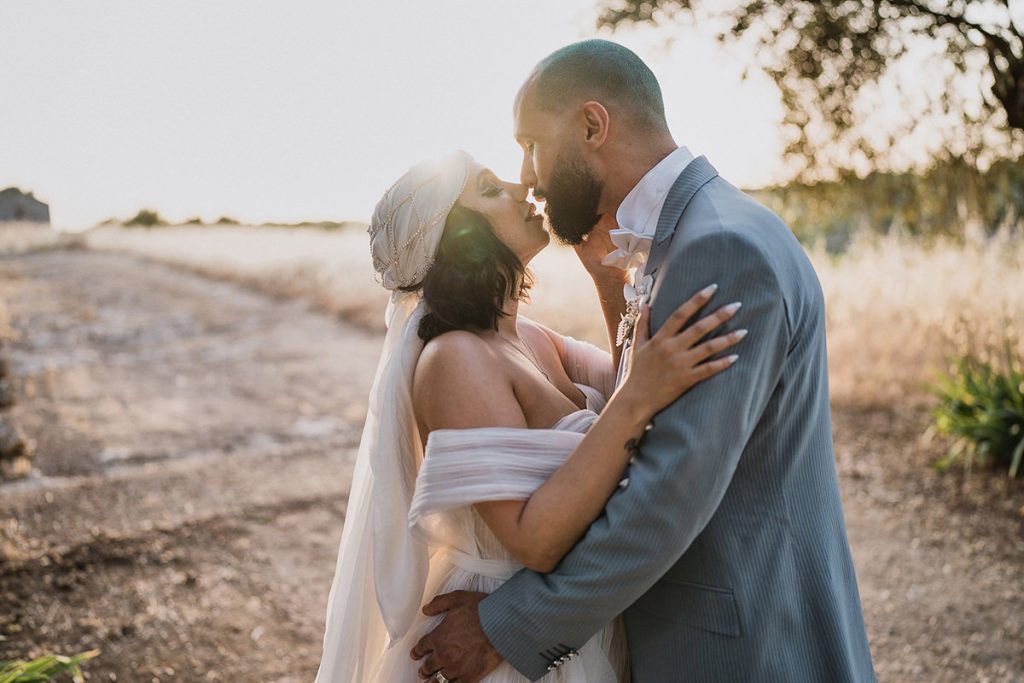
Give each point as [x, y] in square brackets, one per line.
[665, 366]
[596, 245]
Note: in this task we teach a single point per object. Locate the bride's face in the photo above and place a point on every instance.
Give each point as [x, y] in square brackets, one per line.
[513, 219]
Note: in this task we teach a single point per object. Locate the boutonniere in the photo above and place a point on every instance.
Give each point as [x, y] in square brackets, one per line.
[636, 296]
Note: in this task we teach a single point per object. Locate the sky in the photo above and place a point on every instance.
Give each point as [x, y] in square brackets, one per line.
[310, 109]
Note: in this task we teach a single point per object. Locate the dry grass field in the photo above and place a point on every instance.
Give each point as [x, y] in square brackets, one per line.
[24, 237]
[195, 441]
[897, 309]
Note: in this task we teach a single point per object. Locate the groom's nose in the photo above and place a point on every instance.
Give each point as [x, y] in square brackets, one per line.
[527, 176]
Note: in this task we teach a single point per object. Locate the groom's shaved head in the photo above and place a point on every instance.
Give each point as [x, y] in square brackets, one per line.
[597, 70]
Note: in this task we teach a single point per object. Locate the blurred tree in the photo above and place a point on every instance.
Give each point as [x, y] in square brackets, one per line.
[147, 218]
[948, 198]
[824, 54]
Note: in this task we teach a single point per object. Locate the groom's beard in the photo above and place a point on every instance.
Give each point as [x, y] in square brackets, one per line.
[572, 198]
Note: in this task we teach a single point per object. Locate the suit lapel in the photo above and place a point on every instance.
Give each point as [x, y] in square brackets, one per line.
[695, 176]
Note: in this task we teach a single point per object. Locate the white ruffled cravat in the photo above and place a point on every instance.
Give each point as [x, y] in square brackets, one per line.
[632, 249]
[631, 254]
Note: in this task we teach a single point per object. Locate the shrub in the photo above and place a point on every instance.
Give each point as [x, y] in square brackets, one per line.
[45, 668]
[146, 218]
[226, 220]
[981, 405]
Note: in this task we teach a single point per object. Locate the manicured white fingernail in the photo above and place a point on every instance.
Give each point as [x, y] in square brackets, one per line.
[709, 290]
[732, 359]
[739, 334]
[732, 308]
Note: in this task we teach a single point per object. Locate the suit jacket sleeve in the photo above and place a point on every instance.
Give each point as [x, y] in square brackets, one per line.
[685, 464]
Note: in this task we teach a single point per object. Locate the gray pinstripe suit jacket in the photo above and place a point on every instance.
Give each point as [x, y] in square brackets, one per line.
[727, 551]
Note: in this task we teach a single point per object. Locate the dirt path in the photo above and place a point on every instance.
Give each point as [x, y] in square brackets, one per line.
[194, 445]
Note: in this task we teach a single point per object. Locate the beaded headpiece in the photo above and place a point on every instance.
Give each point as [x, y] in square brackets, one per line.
[409, 219]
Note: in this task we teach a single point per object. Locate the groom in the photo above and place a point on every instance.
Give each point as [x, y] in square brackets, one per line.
[726, 551]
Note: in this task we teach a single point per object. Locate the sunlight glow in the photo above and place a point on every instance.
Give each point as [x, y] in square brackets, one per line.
[304, 111]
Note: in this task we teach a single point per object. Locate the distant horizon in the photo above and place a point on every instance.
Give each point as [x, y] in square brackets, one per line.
[227, 219]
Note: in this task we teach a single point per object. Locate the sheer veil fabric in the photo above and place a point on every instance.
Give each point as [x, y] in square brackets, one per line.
[381, 570]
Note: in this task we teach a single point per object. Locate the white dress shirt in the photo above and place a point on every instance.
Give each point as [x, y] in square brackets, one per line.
[638, 213]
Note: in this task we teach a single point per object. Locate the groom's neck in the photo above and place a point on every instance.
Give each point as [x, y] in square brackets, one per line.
[628, 162]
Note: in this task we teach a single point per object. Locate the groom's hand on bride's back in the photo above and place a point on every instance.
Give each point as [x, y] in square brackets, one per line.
[457, 647]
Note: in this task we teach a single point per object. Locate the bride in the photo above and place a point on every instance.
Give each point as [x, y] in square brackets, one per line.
[482, 451]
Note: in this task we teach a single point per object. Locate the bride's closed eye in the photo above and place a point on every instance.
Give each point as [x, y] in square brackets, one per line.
[491, 189]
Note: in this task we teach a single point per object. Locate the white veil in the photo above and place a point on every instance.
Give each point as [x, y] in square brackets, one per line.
[382, 568]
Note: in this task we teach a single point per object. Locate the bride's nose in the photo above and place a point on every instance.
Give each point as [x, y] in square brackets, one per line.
[519, 192]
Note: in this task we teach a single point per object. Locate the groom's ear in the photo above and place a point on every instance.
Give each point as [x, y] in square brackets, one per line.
[595, 121]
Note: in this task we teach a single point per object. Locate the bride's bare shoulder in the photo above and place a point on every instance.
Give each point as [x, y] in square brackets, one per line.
[453, 351]
[457, 361]
[464, 370]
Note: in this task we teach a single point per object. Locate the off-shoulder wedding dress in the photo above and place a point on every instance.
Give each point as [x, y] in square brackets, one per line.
[411, 531]
[466, 466]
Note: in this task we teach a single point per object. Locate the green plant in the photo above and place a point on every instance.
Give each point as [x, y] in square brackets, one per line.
[981, 405]
[45, 668]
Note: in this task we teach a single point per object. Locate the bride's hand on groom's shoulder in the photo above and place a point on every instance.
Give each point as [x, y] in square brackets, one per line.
[591, 251]
[670, 362]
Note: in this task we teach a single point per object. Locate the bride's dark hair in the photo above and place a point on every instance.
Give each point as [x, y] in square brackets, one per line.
[472, 276]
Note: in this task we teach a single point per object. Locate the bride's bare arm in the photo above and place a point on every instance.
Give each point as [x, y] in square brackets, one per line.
[540, 530]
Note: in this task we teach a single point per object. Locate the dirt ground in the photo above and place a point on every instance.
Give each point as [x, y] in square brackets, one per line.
[194, 442]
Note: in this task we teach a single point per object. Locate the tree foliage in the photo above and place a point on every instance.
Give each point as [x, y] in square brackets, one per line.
[948, 199]
[824, 55]
[146, 218]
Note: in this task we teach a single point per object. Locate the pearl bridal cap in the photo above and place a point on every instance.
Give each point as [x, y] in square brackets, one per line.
[409, 219]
